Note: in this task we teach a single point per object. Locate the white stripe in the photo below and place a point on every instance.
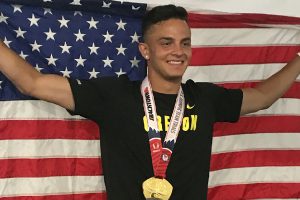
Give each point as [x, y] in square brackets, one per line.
[283, 106]
[35, 109]
[51, 185]
[49, 148]
[256, 141]
[254, 175]
[286, 7]
[244, 36]
[232, 73]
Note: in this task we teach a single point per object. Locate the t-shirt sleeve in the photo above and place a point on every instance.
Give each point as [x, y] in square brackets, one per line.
[226, 102]
[92, 96]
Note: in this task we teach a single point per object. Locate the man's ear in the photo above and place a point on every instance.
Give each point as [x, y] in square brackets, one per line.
[144, 50]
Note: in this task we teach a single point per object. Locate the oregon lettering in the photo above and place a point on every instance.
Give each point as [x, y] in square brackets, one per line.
[189, 123]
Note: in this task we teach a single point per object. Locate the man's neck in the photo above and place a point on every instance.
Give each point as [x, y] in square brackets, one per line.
[165, 86]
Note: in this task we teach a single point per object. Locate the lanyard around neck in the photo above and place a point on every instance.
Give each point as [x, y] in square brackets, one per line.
[161, 154]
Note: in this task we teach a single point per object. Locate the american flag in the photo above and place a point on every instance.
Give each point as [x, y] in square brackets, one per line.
[47, 154]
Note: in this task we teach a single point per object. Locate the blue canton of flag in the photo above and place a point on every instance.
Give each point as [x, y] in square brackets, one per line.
[74, 38]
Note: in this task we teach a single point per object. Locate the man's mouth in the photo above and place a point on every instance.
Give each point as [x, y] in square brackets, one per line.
[175, 62]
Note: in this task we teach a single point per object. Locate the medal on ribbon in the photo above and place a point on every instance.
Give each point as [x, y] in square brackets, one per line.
[158, 187]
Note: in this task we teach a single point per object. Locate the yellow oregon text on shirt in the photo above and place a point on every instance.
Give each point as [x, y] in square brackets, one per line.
[188, 123]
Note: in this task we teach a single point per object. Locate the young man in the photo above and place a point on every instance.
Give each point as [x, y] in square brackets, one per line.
[133, 163]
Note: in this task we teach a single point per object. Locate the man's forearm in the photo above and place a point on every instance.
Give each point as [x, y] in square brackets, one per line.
[269, 90]
[17, 70]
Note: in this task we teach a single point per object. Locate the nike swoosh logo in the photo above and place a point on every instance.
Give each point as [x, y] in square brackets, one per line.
[189, 107]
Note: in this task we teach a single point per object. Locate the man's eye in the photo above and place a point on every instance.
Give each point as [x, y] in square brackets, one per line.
[187, 44]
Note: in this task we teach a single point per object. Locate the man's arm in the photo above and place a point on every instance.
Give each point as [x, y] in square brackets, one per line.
[269, 90]
[52, 88]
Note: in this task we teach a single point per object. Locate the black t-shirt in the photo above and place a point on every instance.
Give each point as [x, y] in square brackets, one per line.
[116, 105]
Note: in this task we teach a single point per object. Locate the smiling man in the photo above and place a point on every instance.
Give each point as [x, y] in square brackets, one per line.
[155, 134]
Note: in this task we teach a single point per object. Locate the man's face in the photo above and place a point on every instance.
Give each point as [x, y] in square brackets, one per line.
[167, 49]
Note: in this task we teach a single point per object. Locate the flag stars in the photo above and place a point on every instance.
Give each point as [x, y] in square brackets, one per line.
[135, 62]
[93, 74]
[65, 48]
[93, 49]
[66, 73]
[37, 68]
[121, 25]
[63, 22]
[47, 0]
[33, 20]
[77, 13]
[20, 33]
[23, 55]
[93, 23]
[135, 8]
[106, 5]
[6, 42]
[35, 46]
[135, 38]
[80, 61]
[17, 8]
[50, 34]
[3, 18]
[107, 62]
[108, 37]
[119, 73]
[79, 36]
[47, 10]
[51, 60]
[121, 50]
[76, 2]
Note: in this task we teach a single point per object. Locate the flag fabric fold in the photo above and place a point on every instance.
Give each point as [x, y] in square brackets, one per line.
[45, 153]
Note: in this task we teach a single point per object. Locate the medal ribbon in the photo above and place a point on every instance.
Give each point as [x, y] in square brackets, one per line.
[161, 154]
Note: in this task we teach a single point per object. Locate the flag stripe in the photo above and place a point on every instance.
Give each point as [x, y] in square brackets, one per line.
[242, 20]
[48, 129]
[34, 109]
[283, 106]
[51, 185]
[52, 148]
[292, 92]
[48, 167]
[244, 37]
[260, 124]
[232, 73]
[89, 196]
[258, 141]
[261, 191]
[255, 159]
[242, 55]
[262, 175]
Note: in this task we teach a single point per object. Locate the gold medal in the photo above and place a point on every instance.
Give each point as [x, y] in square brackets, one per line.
[157, 188]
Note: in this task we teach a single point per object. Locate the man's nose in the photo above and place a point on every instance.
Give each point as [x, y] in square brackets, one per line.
[178, 50]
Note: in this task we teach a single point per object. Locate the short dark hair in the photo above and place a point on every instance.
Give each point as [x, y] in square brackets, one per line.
[162, 13]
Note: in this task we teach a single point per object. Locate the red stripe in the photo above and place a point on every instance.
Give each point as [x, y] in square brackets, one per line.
[90, 196]
[255, 159]
[260, 124]
[48, 129]
[11, 168]
[238, 20]
[293, 91]
[255, 191]
[203, 56]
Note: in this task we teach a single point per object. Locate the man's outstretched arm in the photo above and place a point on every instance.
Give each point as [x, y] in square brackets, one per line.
[269, 90]
[52, 88]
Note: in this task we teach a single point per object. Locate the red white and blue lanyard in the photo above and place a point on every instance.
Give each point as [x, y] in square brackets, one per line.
[161, 154]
